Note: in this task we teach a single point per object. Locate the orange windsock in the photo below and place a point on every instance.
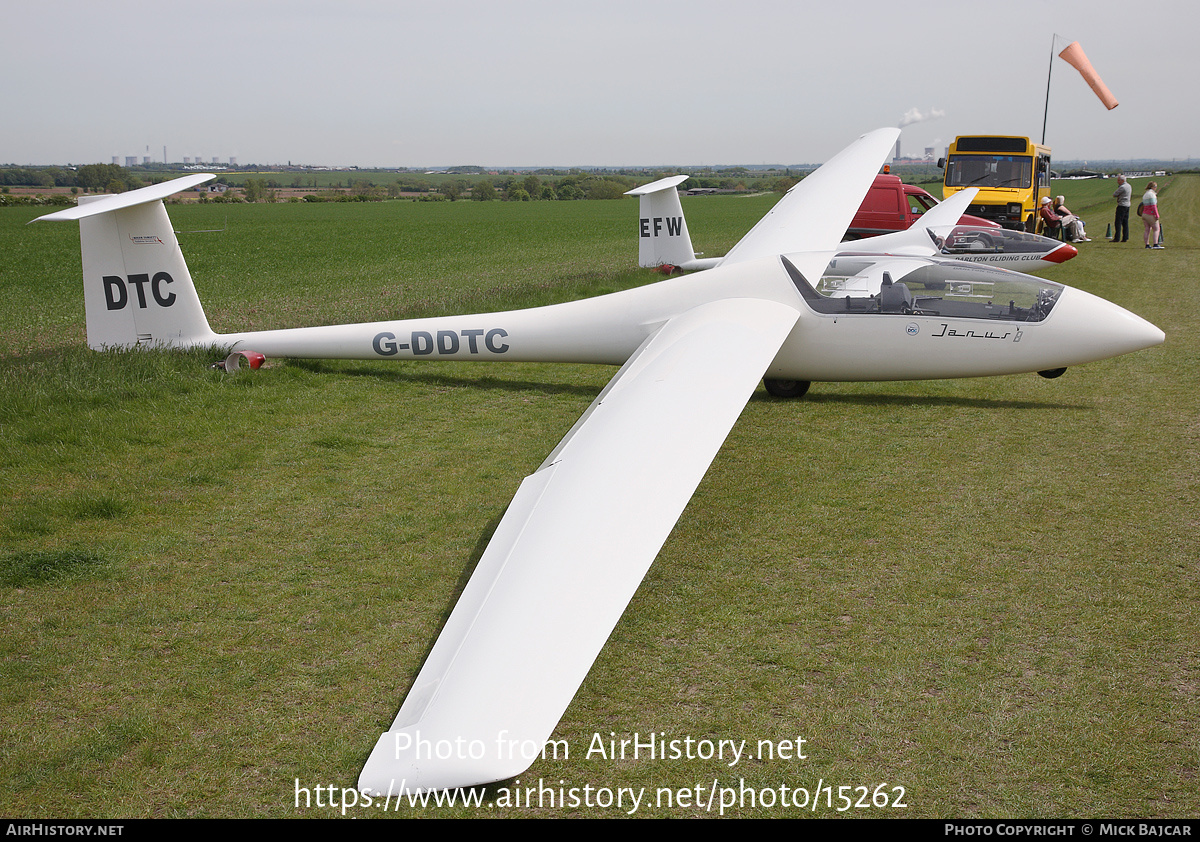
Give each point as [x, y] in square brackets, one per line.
[1074, 56]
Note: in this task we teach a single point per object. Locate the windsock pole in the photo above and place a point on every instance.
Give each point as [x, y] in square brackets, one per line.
[1046, 111]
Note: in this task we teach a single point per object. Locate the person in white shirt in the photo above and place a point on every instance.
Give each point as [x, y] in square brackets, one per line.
[1150, 218]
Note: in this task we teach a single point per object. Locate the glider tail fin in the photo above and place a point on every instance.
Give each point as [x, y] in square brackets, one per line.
[136, 285]
[663, 237]
[948, 212]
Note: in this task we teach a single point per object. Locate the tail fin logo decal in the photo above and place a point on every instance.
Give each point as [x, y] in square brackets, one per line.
[146, 240]
[116, 290]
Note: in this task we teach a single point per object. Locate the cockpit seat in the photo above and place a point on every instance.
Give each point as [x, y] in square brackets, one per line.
[894, 298]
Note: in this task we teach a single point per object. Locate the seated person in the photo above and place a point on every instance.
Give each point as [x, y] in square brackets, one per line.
[1051, 222]
[1071, 224]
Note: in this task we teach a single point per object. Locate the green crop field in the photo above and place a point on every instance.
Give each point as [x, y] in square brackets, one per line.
[978, 597]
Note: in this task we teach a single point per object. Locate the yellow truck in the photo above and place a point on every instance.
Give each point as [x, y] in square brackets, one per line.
[1012, 174]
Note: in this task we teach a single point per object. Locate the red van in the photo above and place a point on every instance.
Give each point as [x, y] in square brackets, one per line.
[892, 205]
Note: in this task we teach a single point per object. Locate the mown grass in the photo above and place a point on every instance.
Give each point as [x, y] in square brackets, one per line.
[212, 586]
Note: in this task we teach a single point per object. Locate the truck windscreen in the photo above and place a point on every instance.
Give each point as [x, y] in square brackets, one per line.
[984, 171]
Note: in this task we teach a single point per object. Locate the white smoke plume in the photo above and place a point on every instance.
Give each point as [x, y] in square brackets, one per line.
[914, 115]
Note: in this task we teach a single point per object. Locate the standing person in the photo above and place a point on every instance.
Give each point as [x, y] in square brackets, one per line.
[1123, 194]
[1150, 217]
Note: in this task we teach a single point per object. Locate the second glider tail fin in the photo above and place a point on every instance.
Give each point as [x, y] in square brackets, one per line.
[663, 237]
[136, 285]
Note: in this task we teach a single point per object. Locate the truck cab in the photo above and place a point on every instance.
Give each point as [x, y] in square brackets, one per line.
[891, 205]
[1012, 174]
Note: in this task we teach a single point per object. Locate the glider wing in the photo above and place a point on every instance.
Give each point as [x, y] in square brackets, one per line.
[570, 551]
[813, 216]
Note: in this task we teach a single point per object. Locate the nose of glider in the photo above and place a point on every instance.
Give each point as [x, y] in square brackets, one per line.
[1099, 329]
[1061, 254]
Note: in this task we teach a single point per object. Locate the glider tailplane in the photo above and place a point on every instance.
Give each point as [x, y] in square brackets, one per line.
[663, 238]
[136, 285]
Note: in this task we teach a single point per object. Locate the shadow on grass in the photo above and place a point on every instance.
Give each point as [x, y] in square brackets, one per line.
[923, 400]
[436, 379]
[464, 576]
[444, 380]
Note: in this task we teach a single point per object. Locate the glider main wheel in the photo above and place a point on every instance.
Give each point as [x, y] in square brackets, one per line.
[786, 388]
[1051, 373]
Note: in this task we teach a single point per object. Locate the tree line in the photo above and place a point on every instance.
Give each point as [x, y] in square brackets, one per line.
[110, 178]
[575, 185]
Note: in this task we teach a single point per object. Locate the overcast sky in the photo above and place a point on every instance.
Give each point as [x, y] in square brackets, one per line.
[562, 83]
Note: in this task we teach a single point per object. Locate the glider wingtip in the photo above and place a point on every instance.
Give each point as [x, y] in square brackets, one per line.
[656, 186]
[404, 762]
[65, 214]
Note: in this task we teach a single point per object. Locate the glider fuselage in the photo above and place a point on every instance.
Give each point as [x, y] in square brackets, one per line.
[909, 344]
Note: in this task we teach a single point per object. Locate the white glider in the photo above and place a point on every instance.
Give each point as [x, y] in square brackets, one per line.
[664, 240]
[584, 528]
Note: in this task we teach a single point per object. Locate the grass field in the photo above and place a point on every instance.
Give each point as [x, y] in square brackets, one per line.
[216, 588]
